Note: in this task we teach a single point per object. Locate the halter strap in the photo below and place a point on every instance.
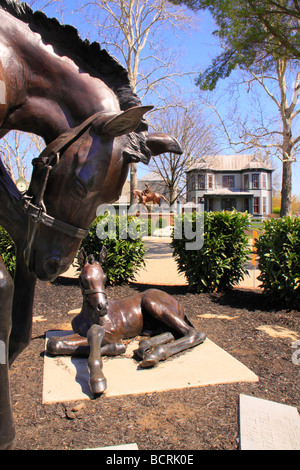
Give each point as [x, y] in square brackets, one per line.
[93, 291]
[44, 164]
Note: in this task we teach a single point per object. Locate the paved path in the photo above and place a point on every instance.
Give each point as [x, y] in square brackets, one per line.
[161, 267]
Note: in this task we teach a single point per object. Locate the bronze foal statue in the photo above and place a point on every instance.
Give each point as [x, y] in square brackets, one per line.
[102, 324]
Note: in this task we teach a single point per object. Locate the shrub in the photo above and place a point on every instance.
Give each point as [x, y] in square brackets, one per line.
[7, 251]
[220, 263]
[278, 249]
[125, 256]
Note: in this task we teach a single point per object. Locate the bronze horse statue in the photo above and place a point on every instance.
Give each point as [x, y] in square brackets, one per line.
[103, 323]
[79, 100]
[145, 197]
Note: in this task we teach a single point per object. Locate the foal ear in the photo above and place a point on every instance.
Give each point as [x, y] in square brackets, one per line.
[102, 255]
[163, 143]
[122, 123]
[81, 258]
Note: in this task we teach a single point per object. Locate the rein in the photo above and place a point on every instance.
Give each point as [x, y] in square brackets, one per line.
[42, 166]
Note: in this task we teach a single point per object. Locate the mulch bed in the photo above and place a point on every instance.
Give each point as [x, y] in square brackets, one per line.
[202, 418]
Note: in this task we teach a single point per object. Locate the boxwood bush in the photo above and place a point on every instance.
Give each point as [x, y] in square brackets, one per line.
[278, 249]
[220, 263]
[125, 256]
[7, 251]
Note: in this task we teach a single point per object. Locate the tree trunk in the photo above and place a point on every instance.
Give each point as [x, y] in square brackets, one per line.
[286, 189]
[133, 181]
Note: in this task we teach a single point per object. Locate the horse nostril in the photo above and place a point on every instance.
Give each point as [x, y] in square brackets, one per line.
[52, 265]
[102, 308]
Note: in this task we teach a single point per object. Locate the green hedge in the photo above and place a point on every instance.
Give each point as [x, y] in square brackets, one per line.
[278, 249]
[124, 259]
[125, 256]
[220, 263]
[7, 251]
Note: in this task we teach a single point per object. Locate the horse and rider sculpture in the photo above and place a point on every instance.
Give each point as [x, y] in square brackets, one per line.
[147, 196]
[78, 98]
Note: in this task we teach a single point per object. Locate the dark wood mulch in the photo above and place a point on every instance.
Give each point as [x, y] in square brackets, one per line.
[202, 418]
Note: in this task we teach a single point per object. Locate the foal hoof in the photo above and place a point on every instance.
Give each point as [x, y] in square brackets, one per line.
[150, 360]
[98, 386]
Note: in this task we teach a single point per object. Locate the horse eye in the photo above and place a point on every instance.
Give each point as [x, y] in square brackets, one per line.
[78, 188]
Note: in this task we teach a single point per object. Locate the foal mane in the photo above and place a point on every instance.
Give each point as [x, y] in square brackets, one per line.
[66, 41]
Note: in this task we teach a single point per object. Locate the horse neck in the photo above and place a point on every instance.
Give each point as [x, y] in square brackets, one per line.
[48, 93]
[12, 216]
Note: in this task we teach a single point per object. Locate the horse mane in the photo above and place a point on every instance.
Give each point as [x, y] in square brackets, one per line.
[66, 41]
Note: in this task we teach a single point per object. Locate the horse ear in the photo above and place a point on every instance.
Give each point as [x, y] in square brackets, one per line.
[102, 255]
[81, 258]
[122, 123]
[163, 143]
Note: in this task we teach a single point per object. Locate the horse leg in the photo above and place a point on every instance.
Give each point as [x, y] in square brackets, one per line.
[76, 345]
[161, 353]
[97, 381]
[7, 432]
[69, 345]
[167, 310]
[22, 308]
[146, 345]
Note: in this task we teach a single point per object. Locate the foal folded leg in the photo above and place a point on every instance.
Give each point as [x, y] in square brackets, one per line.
[76, 345]
[167, 310]
[146, 345]
[69, 345]
[161, 353]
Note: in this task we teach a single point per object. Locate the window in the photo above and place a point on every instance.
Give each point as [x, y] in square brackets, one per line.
[193, 182]
[210, 181]
[228, 181]
[255, 181]
[201, 181]
[264, 181]
[246, 181]
[256, 205]
[264, 205]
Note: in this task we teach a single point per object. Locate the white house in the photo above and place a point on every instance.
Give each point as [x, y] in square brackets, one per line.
[226, 182]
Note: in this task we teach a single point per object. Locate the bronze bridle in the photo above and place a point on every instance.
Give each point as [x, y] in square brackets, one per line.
[34, 203]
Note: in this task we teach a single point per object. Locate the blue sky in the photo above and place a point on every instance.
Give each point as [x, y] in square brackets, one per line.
[197, 49]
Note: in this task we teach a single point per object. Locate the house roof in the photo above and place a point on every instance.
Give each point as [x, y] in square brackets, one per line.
[230, 163]
[152, 176]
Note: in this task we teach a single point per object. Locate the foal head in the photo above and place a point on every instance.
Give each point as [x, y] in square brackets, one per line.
[92, 282]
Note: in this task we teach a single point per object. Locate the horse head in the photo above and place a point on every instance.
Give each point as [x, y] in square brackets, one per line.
[92, 282]
[74, 175]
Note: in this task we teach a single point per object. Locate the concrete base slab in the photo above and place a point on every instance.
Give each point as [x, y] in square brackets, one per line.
[66, 378]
